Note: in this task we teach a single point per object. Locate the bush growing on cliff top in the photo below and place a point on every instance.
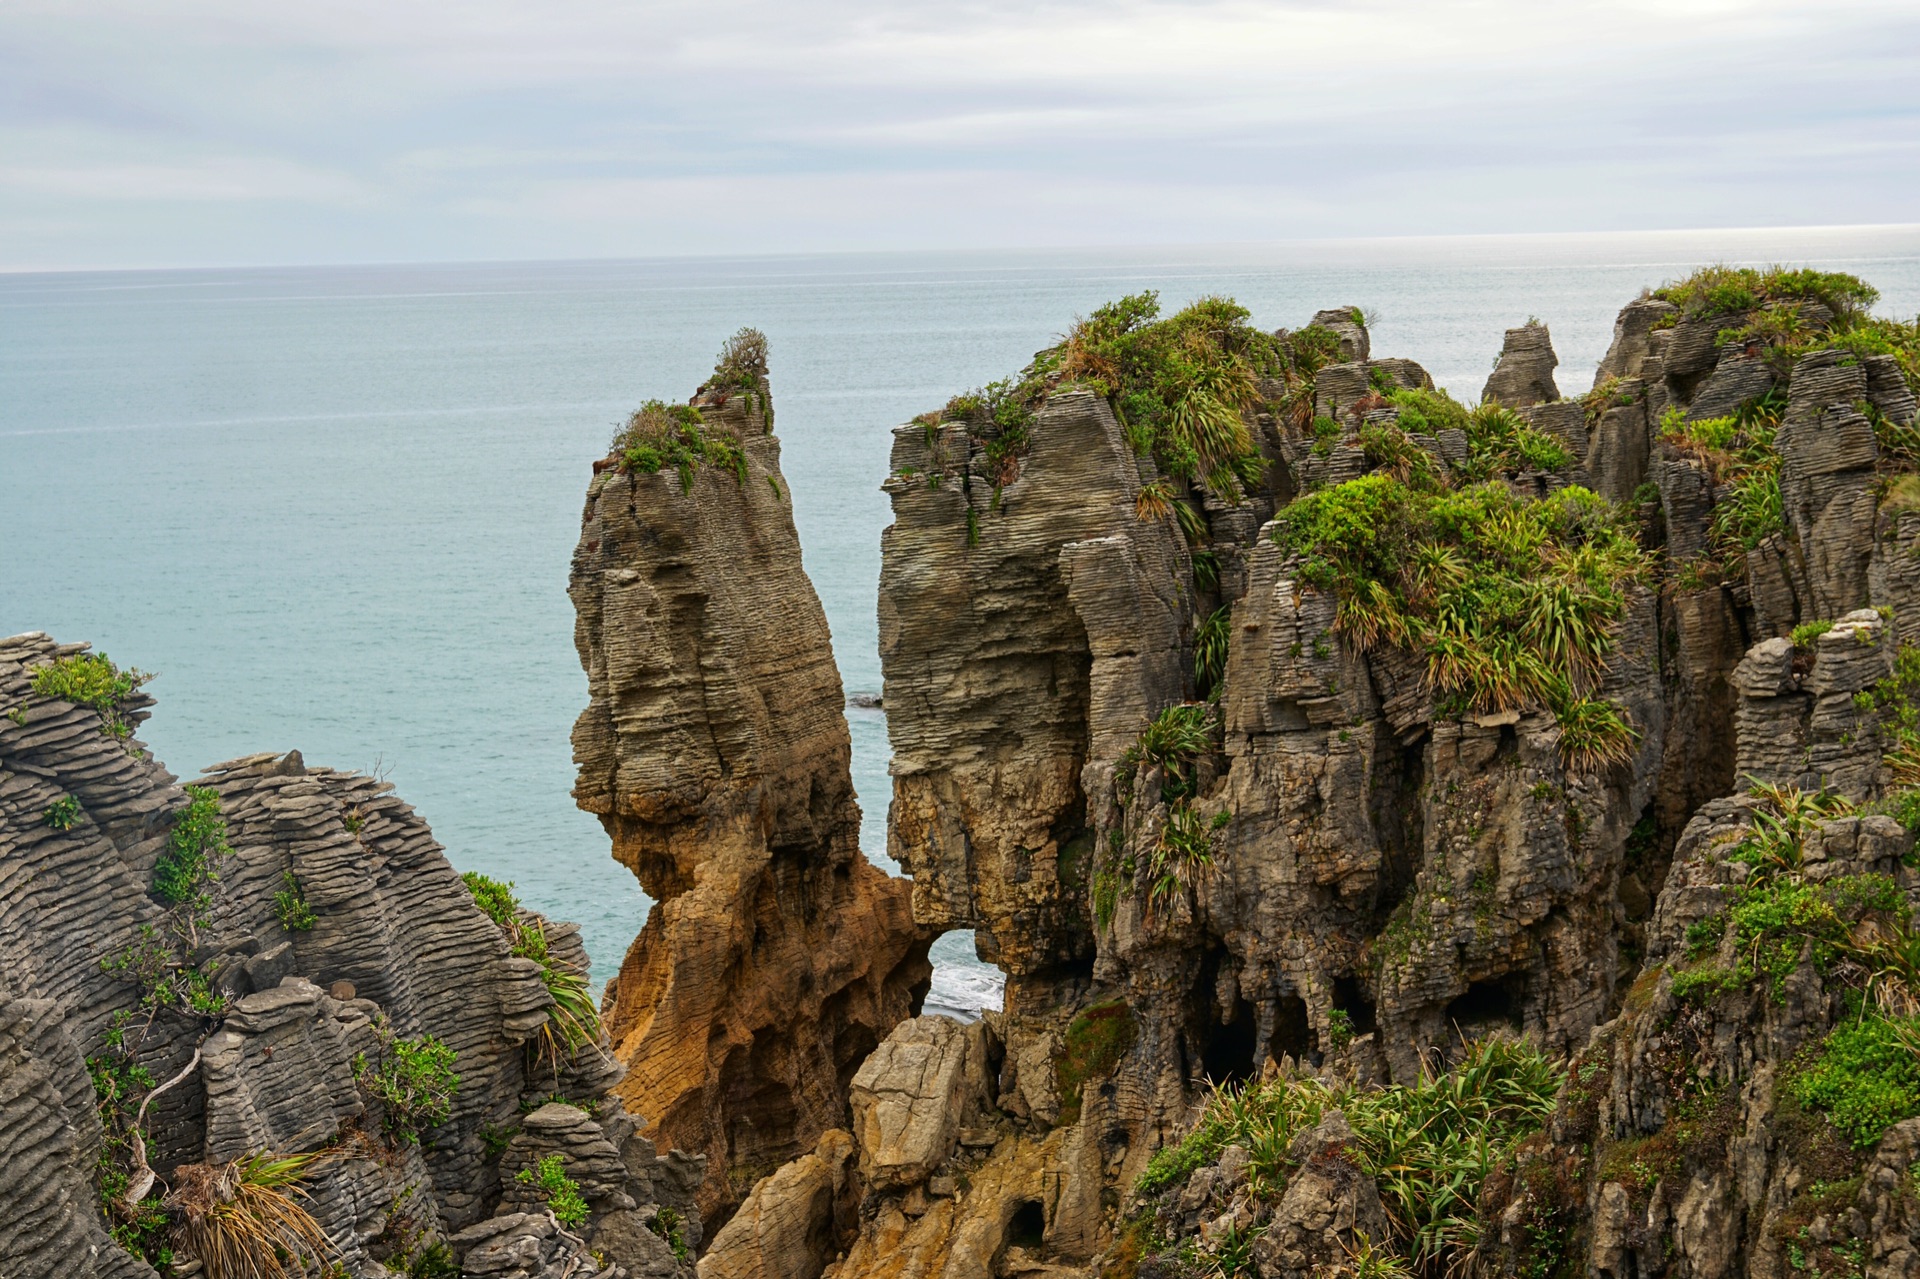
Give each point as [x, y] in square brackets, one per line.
[1723, 290]
[674, 435]
[91, 680]
[1771, 298]
[1182, 386]
[739, 368]
[1513, 602]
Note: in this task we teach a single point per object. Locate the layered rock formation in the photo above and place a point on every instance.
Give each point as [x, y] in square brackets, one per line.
[1043, 603]
[272, 1028]
[715, 752]
[1384, 877]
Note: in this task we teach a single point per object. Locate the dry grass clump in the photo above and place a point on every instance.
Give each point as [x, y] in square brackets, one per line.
[244, 1219]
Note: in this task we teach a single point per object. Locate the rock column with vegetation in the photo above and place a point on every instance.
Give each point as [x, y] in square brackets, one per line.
[715, 751]
[1431, 839]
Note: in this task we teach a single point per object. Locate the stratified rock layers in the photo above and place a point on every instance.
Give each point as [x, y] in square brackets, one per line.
[395, 947]
[1025, 629]
[715, 751]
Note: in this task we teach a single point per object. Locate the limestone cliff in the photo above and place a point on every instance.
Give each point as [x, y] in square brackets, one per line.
[715, 752]
[323, 935]
[1222, 815]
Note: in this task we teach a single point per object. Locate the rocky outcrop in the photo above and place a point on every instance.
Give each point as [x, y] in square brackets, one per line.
[715, 752]
[1524, 375]
[1043, 602]
[1384, 879]
[272, 1028]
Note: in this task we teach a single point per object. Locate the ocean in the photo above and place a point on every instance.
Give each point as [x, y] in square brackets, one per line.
[333, 507]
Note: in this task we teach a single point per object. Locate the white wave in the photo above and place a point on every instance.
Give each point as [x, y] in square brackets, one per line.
[964, 990]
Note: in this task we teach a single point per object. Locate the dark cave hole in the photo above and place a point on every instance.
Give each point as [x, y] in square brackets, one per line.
[1027, 1228]
[1225, 1048]
[1227, 1053]
[1292, 1034]
[1351, 998]
[1486, 1006]
[1398, 817]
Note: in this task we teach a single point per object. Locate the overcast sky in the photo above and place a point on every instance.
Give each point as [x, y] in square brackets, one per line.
[176, 132]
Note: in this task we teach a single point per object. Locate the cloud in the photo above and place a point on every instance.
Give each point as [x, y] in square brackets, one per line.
[501, 128]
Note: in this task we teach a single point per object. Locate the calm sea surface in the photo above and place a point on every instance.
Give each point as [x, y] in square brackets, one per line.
[333, 508]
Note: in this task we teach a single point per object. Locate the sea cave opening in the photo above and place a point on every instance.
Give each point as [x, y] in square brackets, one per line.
[1487, 1006]
[1027, 1228]
[1350, 997]
[1292, 1030]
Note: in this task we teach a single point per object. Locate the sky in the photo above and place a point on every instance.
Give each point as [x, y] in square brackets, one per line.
[236, 132]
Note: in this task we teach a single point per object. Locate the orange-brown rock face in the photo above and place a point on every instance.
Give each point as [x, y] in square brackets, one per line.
[715, 751]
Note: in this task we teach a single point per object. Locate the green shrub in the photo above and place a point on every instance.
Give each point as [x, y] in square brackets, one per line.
[62, 813]
[118, 1084]
[494, 898]
[1724, 290]
[1172, 742]
[1429, 1145]
[1895, 700]
[1428, 412]
[1182, 387]
[1512, 602]
[1183, 852]
[1339, 1029]
[562, 1193]
[1806, 633]
[1865, 1076]
[432, 1260]
[290, 905]
[660, 435]
[573, 1020]
[415, 1084]
[195, 846]
[666, 1224]
[1210, 650]
[1500, 440]
[1594, 735]
[1096, 1040]
[91, 680]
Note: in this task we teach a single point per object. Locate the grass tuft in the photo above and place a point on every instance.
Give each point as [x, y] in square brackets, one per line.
[245, 1219]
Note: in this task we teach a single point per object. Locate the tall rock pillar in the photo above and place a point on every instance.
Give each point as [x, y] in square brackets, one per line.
[715, 752]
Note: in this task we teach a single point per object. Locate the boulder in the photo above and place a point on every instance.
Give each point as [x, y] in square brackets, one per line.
[909, 1099]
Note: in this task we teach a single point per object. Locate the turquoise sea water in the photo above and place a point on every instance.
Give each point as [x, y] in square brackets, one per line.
[333, 508]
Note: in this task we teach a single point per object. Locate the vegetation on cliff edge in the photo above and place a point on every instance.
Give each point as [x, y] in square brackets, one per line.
[1428, 1145]
[573, 1019]
[1512, 602]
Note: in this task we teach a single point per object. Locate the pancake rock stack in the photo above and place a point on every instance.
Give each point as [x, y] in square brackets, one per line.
[1223, 816]
[258, 1031]
[715, 752]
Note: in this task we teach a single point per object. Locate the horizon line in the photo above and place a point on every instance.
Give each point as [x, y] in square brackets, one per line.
[966, 251]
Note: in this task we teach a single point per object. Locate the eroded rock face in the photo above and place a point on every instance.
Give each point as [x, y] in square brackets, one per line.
[715, 752]
[396, 948]
[1524, 375]
[1043, 603]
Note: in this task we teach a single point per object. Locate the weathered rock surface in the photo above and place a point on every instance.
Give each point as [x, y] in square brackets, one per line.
[1042, 602]
[1382, 878]
[715, 752]
[275, 1070]
[1524, 375]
